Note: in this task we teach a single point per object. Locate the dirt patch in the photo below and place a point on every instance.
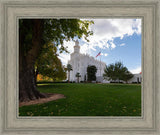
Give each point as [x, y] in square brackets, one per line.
[50, 97]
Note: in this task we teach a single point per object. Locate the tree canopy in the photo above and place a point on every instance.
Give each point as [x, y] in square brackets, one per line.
[55, 30]
[34, 34]
[48, 64]
[117, 72]
[91, 72]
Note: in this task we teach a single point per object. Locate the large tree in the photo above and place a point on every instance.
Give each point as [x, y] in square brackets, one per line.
[33, 35]
[91, 73]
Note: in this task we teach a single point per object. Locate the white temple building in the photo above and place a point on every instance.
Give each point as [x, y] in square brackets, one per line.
[80, 62]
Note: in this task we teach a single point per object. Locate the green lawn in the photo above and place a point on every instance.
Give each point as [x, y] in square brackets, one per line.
[88, 100]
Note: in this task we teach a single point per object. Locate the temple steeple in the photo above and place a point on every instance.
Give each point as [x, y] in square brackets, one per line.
[76, 47]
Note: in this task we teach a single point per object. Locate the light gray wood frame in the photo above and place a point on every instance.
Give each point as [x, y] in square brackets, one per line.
[147, 10]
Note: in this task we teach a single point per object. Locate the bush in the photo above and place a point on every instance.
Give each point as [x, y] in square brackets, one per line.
[91, 73]
[44, 82]
[136, 82]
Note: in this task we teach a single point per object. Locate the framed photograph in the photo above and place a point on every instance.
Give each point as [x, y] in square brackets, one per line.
[133, 107]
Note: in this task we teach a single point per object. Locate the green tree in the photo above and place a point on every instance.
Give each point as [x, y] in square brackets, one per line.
[48, 64]
[91, 73]
[127, 76]
[85, 78]
[33, 35]
[69, 68]
[109, 72]
[117, 71]
[78, 76]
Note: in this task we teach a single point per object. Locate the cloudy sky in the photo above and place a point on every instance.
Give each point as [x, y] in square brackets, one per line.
[117, 39]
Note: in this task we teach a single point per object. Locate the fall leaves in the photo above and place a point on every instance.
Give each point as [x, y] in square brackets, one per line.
[88, 100]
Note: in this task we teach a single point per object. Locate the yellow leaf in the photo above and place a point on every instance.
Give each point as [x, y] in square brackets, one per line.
[134, 110]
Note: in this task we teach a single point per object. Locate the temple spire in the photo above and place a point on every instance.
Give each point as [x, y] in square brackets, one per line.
[76, 47]
[76, 43]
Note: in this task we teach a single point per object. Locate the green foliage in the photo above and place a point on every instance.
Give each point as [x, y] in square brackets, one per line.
[91, 73]
[85, 78]
[54, 30]
[48, 64]
[128, 75]
[69, 67]
[88, 99]
[117, 71]
[58, 30]
[34, 37]
[78, 76]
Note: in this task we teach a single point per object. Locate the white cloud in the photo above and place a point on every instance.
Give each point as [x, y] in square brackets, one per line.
[104, 33]
[113, 45]
[64, 57]
[106, 30]
[123, 44]
[136, 70]
[69, 45]
[137, 26]
[104, 54]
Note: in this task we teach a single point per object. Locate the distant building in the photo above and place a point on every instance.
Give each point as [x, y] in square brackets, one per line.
[137, 78]
[80, 63]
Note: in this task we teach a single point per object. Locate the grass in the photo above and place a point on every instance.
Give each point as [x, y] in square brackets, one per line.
[88, 100]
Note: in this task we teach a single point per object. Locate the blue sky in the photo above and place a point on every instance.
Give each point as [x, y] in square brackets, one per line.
[117, 39]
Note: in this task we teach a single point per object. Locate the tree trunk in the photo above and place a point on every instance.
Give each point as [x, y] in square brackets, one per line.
[68, 76]
[35, 75]
[27, 84]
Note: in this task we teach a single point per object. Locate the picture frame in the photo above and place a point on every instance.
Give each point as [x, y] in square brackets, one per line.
[12, 11]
